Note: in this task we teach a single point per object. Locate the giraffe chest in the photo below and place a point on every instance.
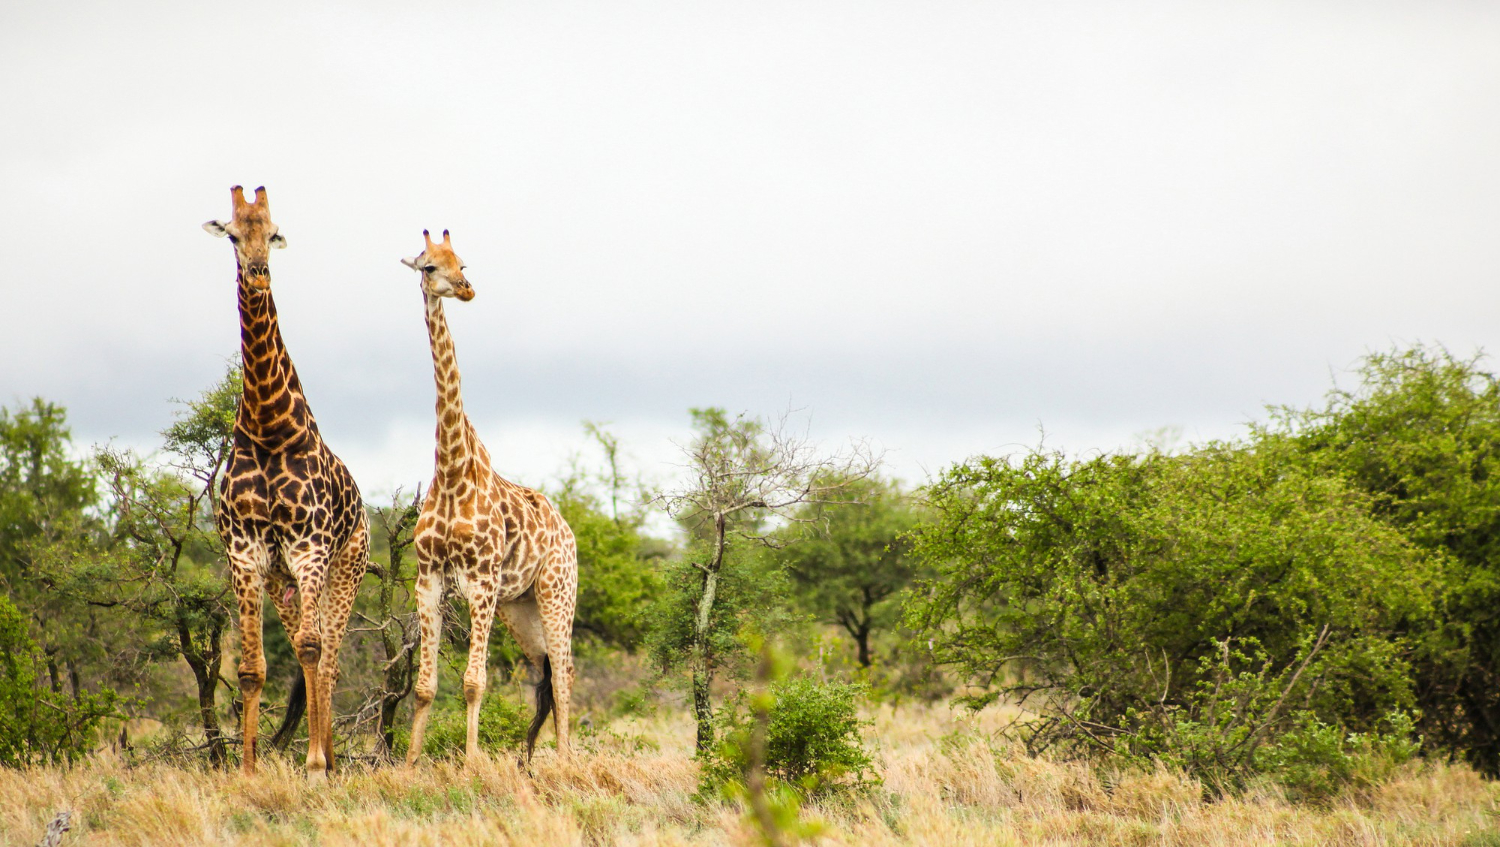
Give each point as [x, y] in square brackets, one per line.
[482, 551]
[448, 533]
[295, 495]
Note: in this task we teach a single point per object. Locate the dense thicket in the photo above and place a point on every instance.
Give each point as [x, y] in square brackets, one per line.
[1334, 571]
[1420, 435]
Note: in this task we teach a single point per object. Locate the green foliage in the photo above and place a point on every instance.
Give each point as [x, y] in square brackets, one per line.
[1097, 588]
[1420, 435]
[202, 431]
[1107, 585]
[617, 563]
[40, 485]
[502, 726]
[34, 728]
[741, 472]
[751, 596]
[1313, 761]
[1241, 723]
[616, 579]
[849, 563]
[157, 566]
[812, 738]
[45, 500]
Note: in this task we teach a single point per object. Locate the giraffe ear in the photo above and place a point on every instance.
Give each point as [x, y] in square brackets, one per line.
[411, 263]
[278, 242]
[215, 229]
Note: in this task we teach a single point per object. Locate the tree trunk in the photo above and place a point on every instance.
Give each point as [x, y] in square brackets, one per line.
[208, 711]
[702, 662]
[73, 681]
[862, 638]
[387, 730]
[205, 667]
[859, 630]
[395, 638]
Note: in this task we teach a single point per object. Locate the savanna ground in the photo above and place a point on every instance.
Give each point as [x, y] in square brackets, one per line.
[945, 779]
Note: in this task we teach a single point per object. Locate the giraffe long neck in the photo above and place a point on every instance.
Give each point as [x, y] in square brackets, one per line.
[273, 411]
[456, 440]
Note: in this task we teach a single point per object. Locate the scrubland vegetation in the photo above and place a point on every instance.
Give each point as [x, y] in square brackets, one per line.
[944, 779]
[1292, 637]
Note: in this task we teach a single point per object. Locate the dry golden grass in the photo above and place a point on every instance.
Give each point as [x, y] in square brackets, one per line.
[944, 782]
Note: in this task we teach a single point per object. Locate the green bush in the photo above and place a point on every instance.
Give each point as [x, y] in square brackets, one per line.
[812, 741]
[36, 728]
[1238, 727]
[1315, 761]
[502, 726]
[1420, 435]
[1185, 607]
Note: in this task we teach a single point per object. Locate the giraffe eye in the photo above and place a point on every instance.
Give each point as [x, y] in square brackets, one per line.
[430, 268]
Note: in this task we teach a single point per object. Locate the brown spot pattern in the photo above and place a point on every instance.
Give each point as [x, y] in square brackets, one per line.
[290, 514]
[506, 547]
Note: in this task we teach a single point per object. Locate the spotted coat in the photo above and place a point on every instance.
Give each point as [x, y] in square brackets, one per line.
[290, 515]
[505, 547]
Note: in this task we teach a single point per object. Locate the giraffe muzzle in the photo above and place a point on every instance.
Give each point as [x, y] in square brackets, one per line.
[259, 275]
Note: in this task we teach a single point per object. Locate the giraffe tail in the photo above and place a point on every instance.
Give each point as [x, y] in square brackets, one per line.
[296, 705]
[543, 706]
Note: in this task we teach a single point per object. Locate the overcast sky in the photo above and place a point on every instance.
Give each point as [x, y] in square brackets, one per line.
[940, 226]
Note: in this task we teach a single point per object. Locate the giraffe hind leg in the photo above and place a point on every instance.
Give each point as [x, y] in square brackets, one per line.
[524, 620]
[556, 597]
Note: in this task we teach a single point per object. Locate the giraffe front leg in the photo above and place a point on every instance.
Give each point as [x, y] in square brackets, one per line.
[429, 596]
[476, 674]
[283, 591]
[310, 566]
[343, 586]
[246, 568]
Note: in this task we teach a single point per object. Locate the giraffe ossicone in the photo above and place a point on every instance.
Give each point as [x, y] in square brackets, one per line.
[290, 515]
[506, 547]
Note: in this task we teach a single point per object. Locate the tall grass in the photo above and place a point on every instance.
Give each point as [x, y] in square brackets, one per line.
[633, 781]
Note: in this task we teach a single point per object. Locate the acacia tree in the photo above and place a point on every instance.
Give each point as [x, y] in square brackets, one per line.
[44, 500]
[850, 565]
[395, 618]
[33, 727]
[740, 474]
[161, 565]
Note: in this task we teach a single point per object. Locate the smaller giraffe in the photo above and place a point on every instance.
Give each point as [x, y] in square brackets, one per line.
[507, 547]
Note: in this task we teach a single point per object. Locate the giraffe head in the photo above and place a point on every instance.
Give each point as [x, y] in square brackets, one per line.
[253, 236]
[441, 269]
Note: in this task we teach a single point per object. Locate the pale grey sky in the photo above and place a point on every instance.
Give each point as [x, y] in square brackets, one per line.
[937, 225]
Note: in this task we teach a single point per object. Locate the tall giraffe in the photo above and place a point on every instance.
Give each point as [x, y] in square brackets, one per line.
[290, 515]
[507, 547]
